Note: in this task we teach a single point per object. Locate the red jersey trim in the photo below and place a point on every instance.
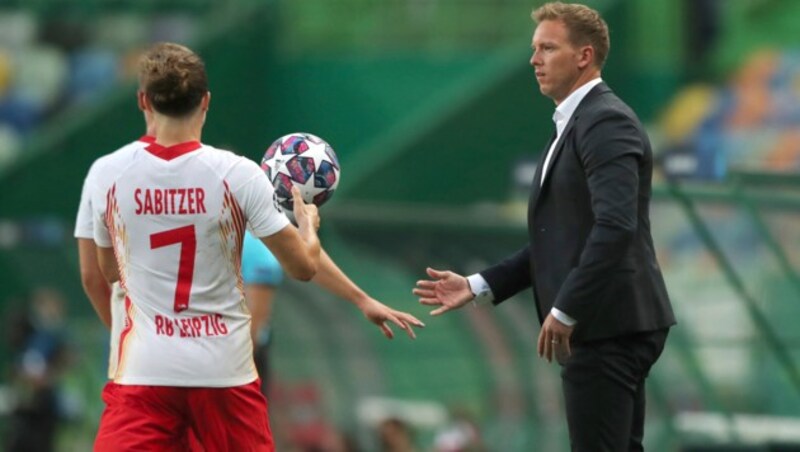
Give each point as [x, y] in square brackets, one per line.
[147, 139]
[174, 151]
[123, 336]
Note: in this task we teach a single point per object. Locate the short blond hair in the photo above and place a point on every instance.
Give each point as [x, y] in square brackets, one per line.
[585, 26]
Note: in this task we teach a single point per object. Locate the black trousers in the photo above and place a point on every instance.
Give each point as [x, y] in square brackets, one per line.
[604, 391]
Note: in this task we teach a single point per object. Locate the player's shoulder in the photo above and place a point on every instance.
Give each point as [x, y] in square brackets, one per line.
[229, 164]
[223, 155]
[108, 161]
[121, 154]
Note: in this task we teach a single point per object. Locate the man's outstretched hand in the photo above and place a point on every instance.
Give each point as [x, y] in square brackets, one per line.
[446, 289]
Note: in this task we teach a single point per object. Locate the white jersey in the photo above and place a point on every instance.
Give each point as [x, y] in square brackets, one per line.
[176, 218]
[84, 229]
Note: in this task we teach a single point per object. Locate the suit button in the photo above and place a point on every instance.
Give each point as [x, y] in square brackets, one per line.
[541, 229]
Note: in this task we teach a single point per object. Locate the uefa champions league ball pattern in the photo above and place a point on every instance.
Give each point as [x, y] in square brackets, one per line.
[303, 160]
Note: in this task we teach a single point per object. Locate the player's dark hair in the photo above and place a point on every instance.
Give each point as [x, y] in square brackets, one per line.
[584, 24]
[173, 78]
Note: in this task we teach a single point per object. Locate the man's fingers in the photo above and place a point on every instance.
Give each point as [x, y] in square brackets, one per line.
[297, 198]
[540, 343]
[424, 293]
[386, 330]
[396, 321]
[548, 348]
[426, 284]
[441, 310]
[297, 203]
[430, 301]
[296, 195]
[410, 319]
[404, 321]
[564, 350]
[409, 331]
[402, 325]
[561, 351]
[545, 345]
[438, 274]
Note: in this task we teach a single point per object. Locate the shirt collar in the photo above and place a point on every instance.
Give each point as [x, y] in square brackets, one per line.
[566, 108]
[174, 151]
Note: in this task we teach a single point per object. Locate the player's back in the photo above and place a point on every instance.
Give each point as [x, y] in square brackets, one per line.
[176, 217]
[84, 229]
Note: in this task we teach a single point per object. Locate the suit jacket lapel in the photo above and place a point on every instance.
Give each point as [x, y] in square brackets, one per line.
[537, 177]
[553, 158]
[551, 166]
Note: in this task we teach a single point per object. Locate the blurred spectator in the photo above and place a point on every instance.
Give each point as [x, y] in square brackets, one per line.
[298, 422]
[38, 339]
[460, 435]
[395, 435]
[338, 441]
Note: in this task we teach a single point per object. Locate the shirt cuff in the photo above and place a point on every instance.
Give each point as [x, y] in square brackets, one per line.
[480, 289]
[563, 318]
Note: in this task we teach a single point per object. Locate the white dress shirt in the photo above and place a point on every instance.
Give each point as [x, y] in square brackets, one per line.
[477, 284]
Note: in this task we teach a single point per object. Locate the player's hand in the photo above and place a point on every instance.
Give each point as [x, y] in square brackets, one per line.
[305, 214]
[447, 290]
[554, 340]
[380, 314]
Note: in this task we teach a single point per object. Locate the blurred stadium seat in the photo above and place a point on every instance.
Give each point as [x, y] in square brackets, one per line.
[749, 124]
[51, 63]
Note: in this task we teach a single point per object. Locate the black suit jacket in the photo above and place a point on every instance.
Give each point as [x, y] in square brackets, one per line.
[591, 253]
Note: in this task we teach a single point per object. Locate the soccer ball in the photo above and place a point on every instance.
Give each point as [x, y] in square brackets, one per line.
[303, 160]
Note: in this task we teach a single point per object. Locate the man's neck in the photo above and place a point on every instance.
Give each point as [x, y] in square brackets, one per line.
[583, 79]
[171, 131]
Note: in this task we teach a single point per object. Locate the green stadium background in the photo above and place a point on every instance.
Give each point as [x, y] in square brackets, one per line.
[431, 105]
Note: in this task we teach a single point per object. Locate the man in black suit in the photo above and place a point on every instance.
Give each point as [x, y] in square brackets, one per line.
[590, 259]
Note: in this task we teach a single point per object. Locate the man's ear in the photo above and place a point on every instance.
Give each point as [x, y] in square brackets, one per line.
[585, 57]
[141, 100]
[206, 101]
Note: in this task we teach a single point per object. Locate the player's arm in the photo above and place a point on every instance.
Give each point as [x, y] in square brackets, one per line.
[108, 264]
[94, 283]
[297, 248]
[333, 279]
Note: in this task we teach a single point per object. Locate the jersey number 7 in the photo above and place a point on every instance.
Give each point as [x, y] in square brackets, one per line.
[184, 236]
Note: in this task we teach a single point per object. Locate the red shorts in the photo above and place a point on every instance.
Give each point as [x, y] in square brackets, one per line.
[168, 418]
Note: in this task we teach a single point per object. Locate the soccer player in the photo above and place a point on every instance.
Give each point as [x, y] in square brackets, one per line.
[169, 221]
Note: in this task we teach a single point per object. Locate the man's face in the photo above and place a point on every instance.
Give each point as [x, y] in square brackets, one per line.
[555, 60]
